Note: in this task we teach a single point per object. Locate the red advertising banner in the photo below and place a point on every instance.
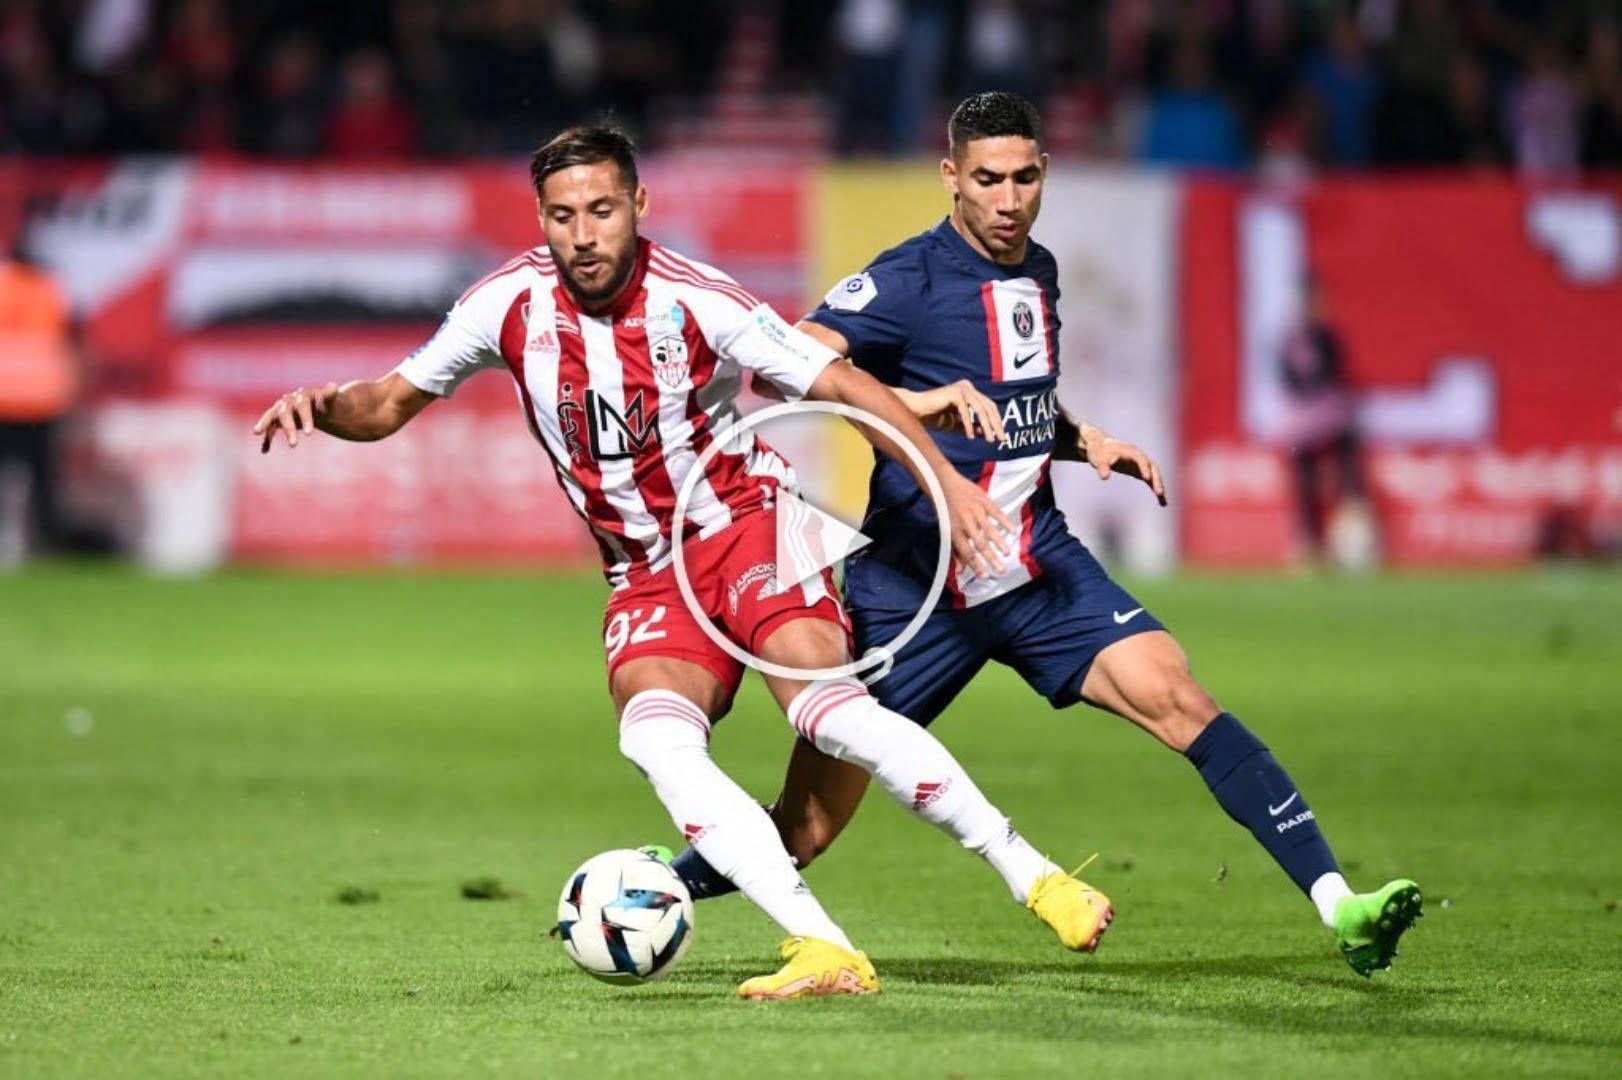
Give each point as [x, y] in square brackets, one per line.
[221, 286]
[1478, 322]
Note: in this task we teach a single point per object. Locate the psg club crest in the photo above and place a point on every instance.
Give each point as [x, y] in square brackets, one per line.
[670, 361]
[1024, 321]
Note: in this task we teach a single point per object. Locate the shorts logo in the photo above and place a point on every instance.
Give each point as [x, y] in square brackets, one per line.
[1024, 321]
[735, 591]
[928, 793]
[670, 364]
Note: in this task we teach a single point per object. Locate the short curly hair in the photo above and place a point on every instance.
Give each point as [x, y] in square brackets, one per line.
[990, 115]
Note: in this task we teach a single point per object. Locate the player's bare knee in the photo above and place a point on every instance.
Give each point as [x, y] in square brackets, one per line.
[1189, 711]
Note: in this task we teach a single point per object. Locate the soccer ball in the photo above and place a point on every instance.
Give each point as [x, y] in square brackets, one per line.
[625, 917]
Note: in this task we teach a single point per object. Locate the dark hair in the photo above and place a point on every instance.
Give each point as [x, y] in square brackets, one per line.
[992, 114]
[584, 144]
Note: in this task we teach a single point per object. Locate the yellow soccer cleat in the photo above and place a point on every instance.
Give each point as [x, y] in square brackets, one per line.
[1075, 910]
[814, 968]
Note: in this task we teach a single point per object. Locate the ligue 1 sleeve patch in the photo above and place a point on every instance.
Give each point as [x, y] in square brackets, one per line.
[852, 294]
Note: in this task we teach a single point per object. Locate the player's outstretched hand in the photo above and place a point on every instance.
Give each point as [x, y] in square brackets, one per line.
[958, 405]
[294, 412]
[1109, 455]
[981, 532]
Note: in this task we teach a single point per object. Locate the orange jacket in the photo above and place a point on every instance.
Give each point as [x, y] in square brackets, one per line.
[38, 375]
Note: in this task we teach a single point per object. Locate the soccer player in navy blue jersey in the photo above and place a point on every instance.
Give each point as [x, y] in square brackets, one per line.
[963, 321]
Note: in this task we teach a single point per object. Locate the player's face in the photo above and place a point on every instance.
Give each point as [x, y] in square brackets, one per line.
[590, 217]
[997, 187]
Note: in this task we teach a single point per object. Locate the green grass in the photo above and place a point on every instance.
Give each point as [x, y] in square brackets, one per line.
[258, 744]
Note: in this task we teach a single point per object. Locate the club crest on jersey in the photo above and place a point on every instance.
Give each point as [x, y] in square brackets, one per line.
[670, 364]
[1024, 321]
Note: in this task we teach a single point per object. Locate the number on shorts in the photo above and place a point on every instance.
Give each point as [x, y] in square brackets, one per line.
[621, 630]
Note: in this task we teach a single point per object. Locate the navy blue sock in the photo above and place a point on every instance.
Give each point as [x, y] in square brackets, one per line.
[1258, 794]
[703, 881]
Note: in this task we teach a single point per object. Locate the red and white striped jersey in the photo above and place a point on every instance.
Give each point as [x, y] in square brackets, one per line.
[625, 401]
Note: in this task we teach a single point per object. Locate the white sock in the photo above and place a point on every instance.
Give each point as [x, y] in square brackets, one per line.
[1326, 892]
[840, 718]
[667, 737]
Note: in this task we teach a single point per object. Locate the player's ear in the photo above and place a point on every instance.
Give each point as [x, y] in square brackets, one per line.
[640, 201]
[1044, 160]
[949, 175]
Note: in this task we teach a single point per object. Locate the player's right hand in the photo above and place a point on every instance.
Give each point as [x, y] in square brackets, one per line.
[294, 412]
[956, 405]
[981, 532]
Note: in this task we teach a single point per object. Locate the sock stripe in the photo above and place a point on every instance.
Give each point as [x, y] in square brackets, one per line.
[665, 706]
[810, 718]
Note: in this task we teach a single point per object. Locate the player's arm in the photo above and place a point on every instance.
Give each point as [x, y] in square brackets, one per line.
[980, 530]
[959, 405]
[1077, 440]
[362, 411]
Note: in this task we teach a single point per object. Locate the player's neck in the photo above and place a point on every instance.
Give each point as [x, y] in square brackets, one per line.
[1013, 258]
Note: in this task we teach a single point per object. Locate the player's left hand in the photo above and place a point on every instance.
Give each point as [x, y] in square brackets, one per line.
[1109, 455]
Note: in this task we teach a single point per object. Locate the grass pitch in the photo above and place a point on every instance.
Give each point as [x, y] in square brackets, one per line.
[237, 816]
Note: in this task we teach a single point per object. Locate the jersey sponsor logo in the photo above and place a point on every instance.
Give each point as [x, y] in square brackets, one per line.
[670, 361]
[609, 433]
[1024, 324]
[615, 434]
[1029, 418]
[852, 294]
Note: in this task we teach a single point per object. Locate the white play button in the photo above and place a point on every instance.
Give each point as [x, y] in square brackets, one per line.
[808, 540]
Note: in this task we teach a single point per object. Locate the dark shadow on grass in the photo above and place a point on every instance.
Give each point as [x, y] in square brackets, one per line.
[1380, 1008]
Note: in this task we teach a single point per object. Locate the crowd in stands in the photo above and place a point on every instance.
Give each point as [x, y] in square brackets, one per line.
[1219, 84]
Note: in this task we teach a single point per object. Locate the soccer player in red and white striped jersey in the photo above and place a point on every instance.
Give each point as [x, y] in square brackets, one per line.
[628, 360]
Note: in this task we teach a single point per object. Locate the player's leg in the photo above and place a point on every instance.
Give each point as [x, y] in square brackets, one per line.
[1146, 679]
[665, 732]
[669, 685]
[820, 793]
[843, 720]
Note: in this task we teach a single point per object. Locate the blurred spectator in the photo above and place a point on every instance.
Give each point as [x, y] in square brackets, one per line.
[1347, 87]
[1349, 82]
[371, 121]
[285, 116]
[1189, 122]
[1540, 113]
[39, 381]
[1321, 427]
[999, 46]
[1602, 90]
[869, 34]
[926, 47]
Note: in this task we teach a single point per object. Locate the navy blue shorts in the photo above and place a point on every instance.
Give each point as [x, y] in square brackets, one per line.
[1049, 630]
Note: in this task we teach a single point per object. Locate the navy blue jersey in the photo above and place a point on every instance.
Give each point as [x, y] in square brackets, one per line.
[927, 313]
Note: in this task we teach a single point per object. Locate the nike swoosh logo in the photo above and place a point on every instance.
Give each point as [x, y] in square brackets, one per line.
[1122, 619]
[1021, 361]
[1279, 809]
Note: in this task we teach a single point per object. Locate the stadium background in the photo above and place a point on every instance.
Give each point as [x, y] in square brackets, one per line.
[374, 671]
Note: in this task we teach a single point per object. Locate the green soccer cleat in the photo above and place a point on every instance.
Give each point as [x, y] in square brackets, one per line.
[1369, 925]
[658, 851]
